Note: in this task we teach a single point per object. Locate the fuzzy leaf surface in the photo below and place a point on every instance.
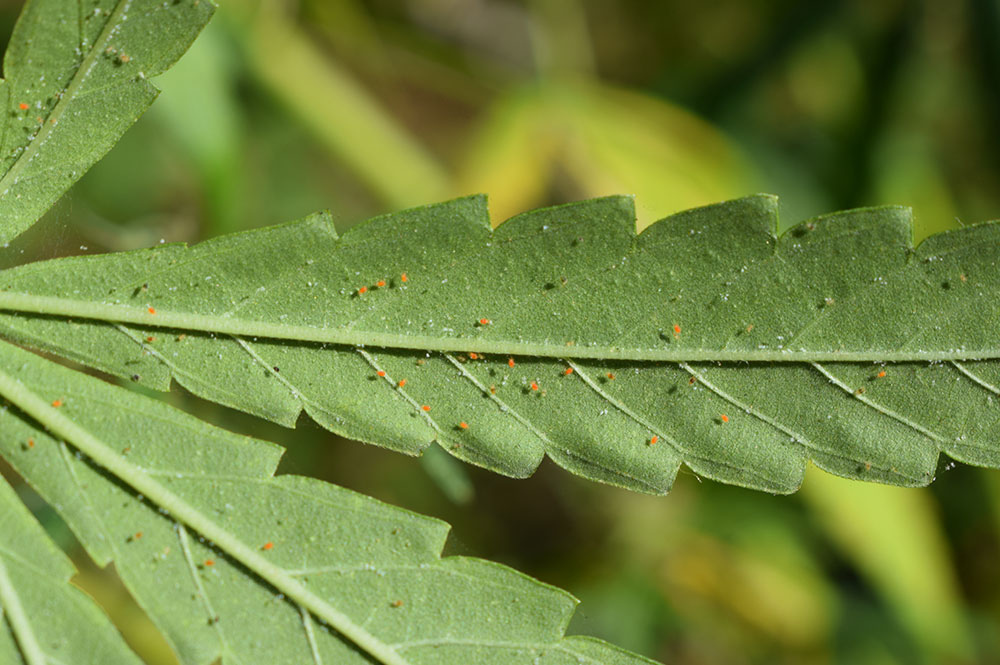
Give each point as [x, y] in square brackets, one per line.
[76, 76]
[564, 333]
[44, 618]
[232, 562]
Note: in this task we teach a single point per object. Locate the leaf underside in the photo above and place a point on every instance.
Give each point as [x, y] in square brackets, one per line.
[41, 613]
[232, 562]
[76, 77]
[705, 340]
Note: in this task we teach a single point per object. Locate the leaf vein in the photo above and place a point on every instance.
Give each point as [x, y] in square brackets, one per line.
[213, 617]
[877, 407]
[975, 378]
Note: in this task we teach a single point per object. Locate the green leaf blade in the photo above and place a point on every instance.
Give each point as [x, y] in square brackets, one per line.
[571, 281]
[46, 618]
[76, 78]
[232, 562]
[264, 311]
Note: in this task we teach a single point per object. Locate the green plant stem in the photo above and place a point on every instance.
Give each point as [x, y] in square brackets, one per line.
[346, 119]
[180, 510]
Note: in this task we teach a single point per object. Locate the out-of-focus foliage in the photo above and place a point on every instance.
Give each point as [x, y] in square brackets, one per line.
[371, 106]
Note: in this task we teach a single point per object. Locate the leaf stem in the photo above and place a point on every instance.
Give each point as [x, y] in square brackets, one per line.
[179, 509]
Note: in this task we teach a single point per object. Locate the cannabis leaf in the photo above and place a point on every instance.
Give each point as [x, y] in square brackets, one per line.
[705, 340]
[47, 619]
[76, 77]
[234, 563]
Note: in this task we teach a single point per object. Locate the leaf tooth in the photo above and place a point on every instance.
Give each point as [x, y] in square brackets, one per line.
[615, 214]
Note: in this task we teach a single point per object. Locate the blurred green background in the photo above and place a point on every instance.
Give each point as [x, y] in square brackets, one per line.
[366, 107]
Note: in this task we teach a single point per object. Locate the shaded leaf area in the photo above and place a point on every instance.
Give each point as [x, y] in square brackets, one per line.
[628, 423]
[234, 563]
[43, 618]
[712, 283]
[76, 77]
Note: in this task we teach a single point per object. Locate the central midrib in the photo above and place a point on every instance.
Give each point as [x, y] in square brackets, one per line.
[54, 306]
